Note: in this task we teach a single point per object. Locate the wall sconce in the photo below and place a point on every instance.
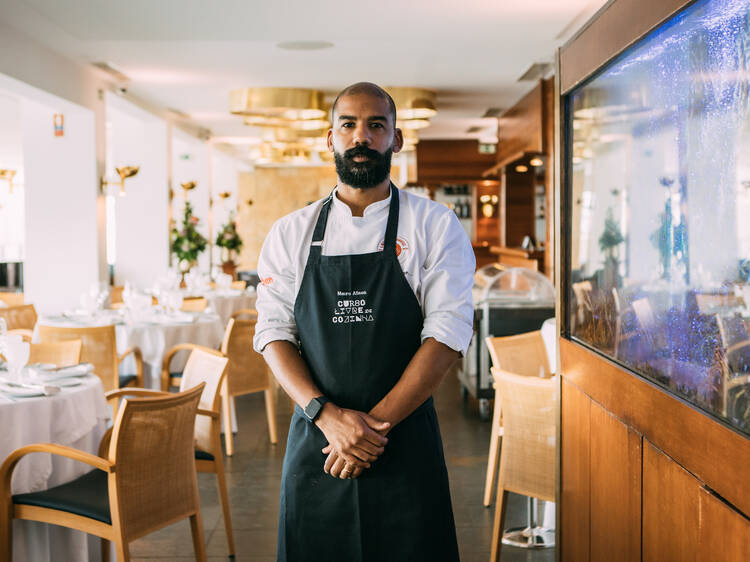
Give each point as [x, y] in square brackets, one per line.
[8, 175]
[225, 194]
[188, 186]
[123, 172]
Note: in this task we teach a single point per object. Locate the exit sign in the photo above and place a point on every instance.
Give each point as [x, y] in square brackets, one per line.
[487, 148]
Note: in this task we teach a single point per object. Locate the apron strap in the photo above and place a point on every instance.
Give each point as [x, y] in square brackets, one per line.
[389, 245]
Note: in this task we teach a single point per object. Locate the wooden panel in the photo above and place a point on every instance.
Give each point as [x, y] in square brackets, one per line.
[670, 509]
[615, 489]
[518, 193]
[714, 453]
[451, 160]
[520, 128]
[548, 123]
[724, 533]
[575, 470]
[613, 29]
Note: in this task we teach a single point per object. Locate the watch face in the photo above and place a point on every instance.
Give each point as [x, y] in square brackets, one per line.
[312, 409]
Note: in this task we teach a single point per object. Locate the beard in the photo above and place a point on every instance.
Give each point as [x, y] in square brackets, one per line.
[363, 175]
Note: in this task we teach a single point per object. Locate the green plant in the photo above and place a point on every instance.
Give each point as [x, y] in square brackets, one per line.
[228, 238]
[187, 242]
[611, 237]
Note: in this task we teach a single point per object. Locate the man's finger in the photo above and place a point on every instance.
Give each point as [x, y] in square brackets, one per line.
[374, 423]
[327, 449]
[363, 455]
[337, 467]
[357, 472]
[329, 462]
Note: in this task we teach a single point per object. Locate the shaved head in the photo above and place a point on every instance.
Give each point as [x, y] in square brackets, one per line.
[367, 88]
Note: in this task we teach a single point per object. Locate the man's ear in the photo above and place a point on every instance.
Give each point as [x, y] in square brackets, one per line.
[398, 140]
[329, 140]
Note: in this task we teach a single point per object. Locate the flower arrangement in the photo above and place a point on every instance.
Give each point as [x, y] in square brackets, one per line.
[187, 242]
[229, 239]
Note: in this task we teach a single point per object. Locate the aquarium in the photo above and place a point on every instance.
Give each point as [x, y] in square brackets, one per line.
[658, 209]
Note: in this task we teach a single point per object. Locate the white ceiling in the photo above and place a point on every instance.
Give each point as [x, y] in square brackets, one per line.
[188, 54]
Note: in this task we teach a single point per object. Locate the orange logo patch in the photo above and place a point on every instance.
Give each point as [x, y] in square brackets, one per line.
[267, 281]
[402, 246]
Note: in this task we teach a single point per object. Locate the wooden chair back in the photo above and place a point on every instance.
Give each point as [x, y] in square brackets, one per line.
[26, 335]
[19, 317]
[98, 347]
[11, 299]
[522, 354]
[247, 370]
[61, 354]
[152, 447]
[115, 295]
[242, 285]
[527, 463]
[709, 303]
[519, 261]
[208, 367]
[194, 304]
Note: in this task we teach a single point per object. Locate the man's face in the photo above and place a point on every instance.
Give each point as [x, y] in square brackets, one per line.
[362, 138]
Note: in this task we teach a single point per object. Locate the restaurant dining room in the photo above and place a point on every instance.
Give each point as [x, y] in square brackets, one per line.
[337, 282]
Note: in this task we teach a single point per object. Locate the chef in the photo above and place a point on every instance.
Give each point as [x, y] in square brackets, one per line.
[364, 305]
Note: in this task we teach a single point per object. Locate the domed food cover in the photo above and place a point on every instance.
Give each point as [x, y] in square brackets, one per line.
[514, 285]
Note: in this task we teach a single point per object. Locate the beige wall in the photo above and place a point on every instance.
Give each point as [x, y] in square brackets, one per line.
[275, 192]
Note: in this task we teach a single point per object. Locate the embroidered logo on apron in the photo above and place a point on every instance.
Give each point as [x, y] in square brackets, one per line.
[402, 246]
[351, 306]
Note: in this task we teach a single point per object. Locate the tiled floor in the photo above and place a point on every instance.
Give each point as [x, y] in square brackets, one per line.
[254, 472]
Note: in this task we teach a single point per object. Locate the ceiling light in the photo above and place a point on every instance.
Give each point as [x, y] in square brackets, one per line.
[412, 124]
[536, 162]
[285, 103]
[7, 175]
[521, 168]
[304, 45]
[413, 103]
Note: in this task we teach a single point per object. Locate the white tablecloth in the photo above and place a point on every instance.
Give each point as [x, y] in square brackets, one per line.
[77, 417]
[153, 338]
[228, 302]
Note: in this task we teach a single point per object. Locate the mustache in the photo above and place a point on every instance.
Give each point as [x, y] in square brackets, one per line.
[362, 151]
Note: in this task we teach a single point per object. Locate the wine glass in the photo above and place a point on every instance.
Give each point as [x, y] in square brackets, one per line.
[16, 356]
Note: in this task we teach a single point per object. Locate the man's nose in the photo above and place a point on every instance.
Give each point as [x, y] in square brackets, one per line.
[362, 134]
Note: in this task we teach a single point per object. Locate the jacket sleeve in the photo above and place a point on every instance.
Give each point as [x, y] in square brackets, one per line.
[276, 292]
[447, 279]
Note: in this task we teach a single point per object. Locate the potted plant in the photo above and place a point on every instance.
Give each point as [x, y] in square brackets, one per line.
[610, 239]
[230, 243]
[187, 242]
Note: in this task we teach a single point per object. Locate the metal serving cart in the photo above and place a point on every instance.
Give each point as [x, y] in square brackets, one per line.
[507, 301]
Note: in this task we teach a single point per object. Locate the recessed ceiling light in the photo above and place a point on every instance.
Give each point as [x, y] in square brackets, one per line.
[304, 45]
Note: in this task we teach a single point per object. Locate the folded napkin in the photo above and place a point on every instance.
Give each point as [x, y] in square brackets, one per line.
[75, 370]
[18, 388]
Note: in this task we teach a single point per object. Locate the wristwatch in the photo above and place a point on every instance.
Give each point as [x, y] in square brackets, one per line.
[314, 407]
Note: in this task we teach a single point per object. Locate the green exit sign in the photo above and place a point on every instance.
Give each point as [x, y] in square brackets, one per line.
[487, 148]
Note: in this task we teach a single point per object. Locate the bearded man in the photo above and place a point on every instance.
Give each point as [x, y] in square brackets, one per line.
[365, 304]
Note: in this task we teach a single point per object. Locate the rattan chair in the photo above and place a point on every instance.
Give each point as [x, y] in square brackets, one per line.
[523, 354]
[25, 334]
[145, 481]
[19, 317]
[527, 460]
[194, 304]
[99, 347]
[248, 373]
[242, 285]
[13, 299]
[61, 354]
[206, 366]
[115, 296]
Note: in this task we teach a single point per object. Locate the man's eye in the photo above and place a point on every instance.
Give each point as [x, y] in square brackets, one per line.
[376, 125]
[348, 124]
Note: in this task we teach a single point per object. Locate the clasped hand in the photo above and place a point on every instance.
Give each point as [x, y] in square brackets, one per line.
[354, 440]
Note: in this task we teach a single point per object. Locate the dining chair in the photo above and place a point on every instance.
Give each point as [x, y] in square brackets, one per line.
[736, 355]
[241, 285]
[194, 304]
[248, 373]
[25, 334]
[708, 303]
[11, 299]
[60, 354]
[19, 317]
[99, 347]
[145, 480]
[527, 460]
[115, 295]
[523, 354]
[209, 367]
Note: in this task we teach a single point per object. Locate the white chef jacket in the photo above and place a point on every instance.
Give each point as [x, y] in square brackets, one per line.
[433, 249]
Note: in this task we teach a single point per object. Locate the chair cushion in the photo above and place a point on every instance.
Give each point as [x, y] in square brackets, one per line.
[125, 380]
[203, 455]
[87, 495]
[175, 375]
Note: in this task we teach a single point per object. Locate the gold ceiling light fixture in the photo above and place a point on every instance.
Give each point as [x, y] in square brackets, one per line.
[8, 176]
[124, 172]
[536, 162]
[188, 186]
[318, 125]
[286, 103]
[412, 124]
[413, 103]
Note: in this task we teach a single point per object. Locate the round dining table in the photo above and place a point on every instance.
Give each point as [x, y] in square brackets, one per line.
[77, 417]
[154, 333]
[227, 302]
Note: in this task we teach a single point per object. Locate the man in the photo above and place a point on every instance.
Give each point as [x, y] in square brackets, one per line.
[364, 305]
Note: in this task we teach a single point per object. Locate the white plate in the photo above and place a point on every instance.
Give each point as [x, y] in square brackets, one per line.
[68, 381]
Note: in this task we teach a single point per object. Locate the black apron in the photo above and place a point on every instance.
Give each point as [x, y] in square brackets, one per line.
[359, 326]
